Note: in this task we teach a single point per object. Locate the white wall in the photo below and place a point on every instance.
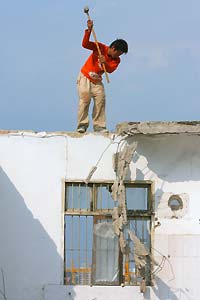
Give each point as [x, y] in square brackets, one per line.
[31, 228]
[31, 170]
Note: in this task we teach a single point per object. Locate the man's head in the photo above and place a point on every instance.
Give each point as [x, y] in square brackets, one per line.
[117, 48]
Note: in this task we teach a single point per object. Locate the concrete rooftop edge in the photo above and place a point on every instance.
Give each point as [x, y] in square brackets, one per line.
[157, 127]
[130, 128]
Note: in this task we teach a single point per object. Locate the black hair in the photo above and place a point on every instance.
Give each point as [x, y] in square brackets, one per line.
[120, 45]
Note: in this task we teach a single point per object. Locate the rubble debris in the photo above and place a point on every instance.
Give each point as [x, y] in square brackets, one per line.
[140, 251]
[121, 162]
[117, 225]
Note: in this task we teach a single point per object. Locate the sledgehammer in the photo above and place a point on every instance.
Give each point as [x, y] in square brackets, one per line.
[86, 10]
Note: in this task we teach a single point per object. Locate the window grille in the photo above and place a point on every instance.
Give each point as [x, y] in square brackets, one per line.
[92, 252]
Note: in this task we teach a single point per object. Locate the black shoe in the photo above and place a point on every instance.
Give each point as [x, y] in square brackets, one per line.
[81, 129]
[101, 130]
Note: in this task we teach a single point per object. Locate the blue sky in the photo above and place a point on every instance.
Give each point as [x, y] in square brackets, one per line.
[41, 55]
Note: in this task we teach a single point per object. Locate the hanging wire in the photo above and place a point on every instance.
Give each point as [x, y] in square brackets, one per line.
[162, 263]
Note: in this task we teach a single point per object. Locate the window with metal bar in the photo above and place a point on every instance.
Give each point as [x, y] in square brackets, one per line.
[92, 251]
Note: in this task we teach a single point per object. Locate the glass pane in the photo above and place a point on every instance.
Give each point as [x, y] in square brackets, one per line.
[78, 249]
[106, 253]
[136, 198]
[78, 196]
[104, 199]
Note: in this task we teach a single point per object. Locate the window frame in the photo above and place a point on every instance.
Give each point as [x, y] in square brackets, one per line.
[140, 214]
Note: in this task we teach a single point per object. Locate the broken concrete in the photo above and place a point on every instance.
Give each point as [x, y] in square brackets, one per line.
[140, 251]
[154, 128]
[122, 160]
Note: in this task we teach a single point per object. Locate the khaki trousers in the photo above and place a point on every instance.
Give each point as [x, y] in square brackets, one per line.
[86, 91]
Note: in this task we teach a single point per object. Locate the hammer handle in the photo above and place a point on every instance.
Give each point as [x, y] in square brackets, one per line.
[98, 49]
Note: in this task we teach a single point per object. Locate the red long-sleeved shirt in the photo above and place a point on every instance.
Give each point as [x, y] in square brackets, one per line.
[92, 68]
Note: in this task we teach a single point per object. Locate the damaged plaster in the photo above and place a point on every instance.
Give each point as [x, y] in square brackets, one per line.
[121, 162]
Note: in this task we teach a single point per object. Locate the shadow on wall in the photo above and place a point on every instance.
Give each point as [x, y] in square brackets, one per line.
[168, 159]
[161, 290]
[28, 255]
[171, 158]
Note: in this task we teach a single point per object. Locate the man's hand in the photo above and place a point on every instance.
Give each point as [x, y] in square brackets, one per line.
[90, 24]
[102, 59]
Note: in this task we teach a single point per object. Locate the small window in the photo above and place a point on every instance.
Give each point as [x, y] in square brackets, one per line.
[137, 198]
[175, 203]
[92, 252]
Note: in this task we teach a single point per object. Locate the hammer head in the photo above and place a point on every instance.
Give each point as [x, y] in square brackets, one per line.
[86, 9]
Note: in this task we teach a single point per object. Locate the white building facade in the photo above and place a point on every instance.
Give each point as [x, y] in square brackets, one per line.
[36, 168]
